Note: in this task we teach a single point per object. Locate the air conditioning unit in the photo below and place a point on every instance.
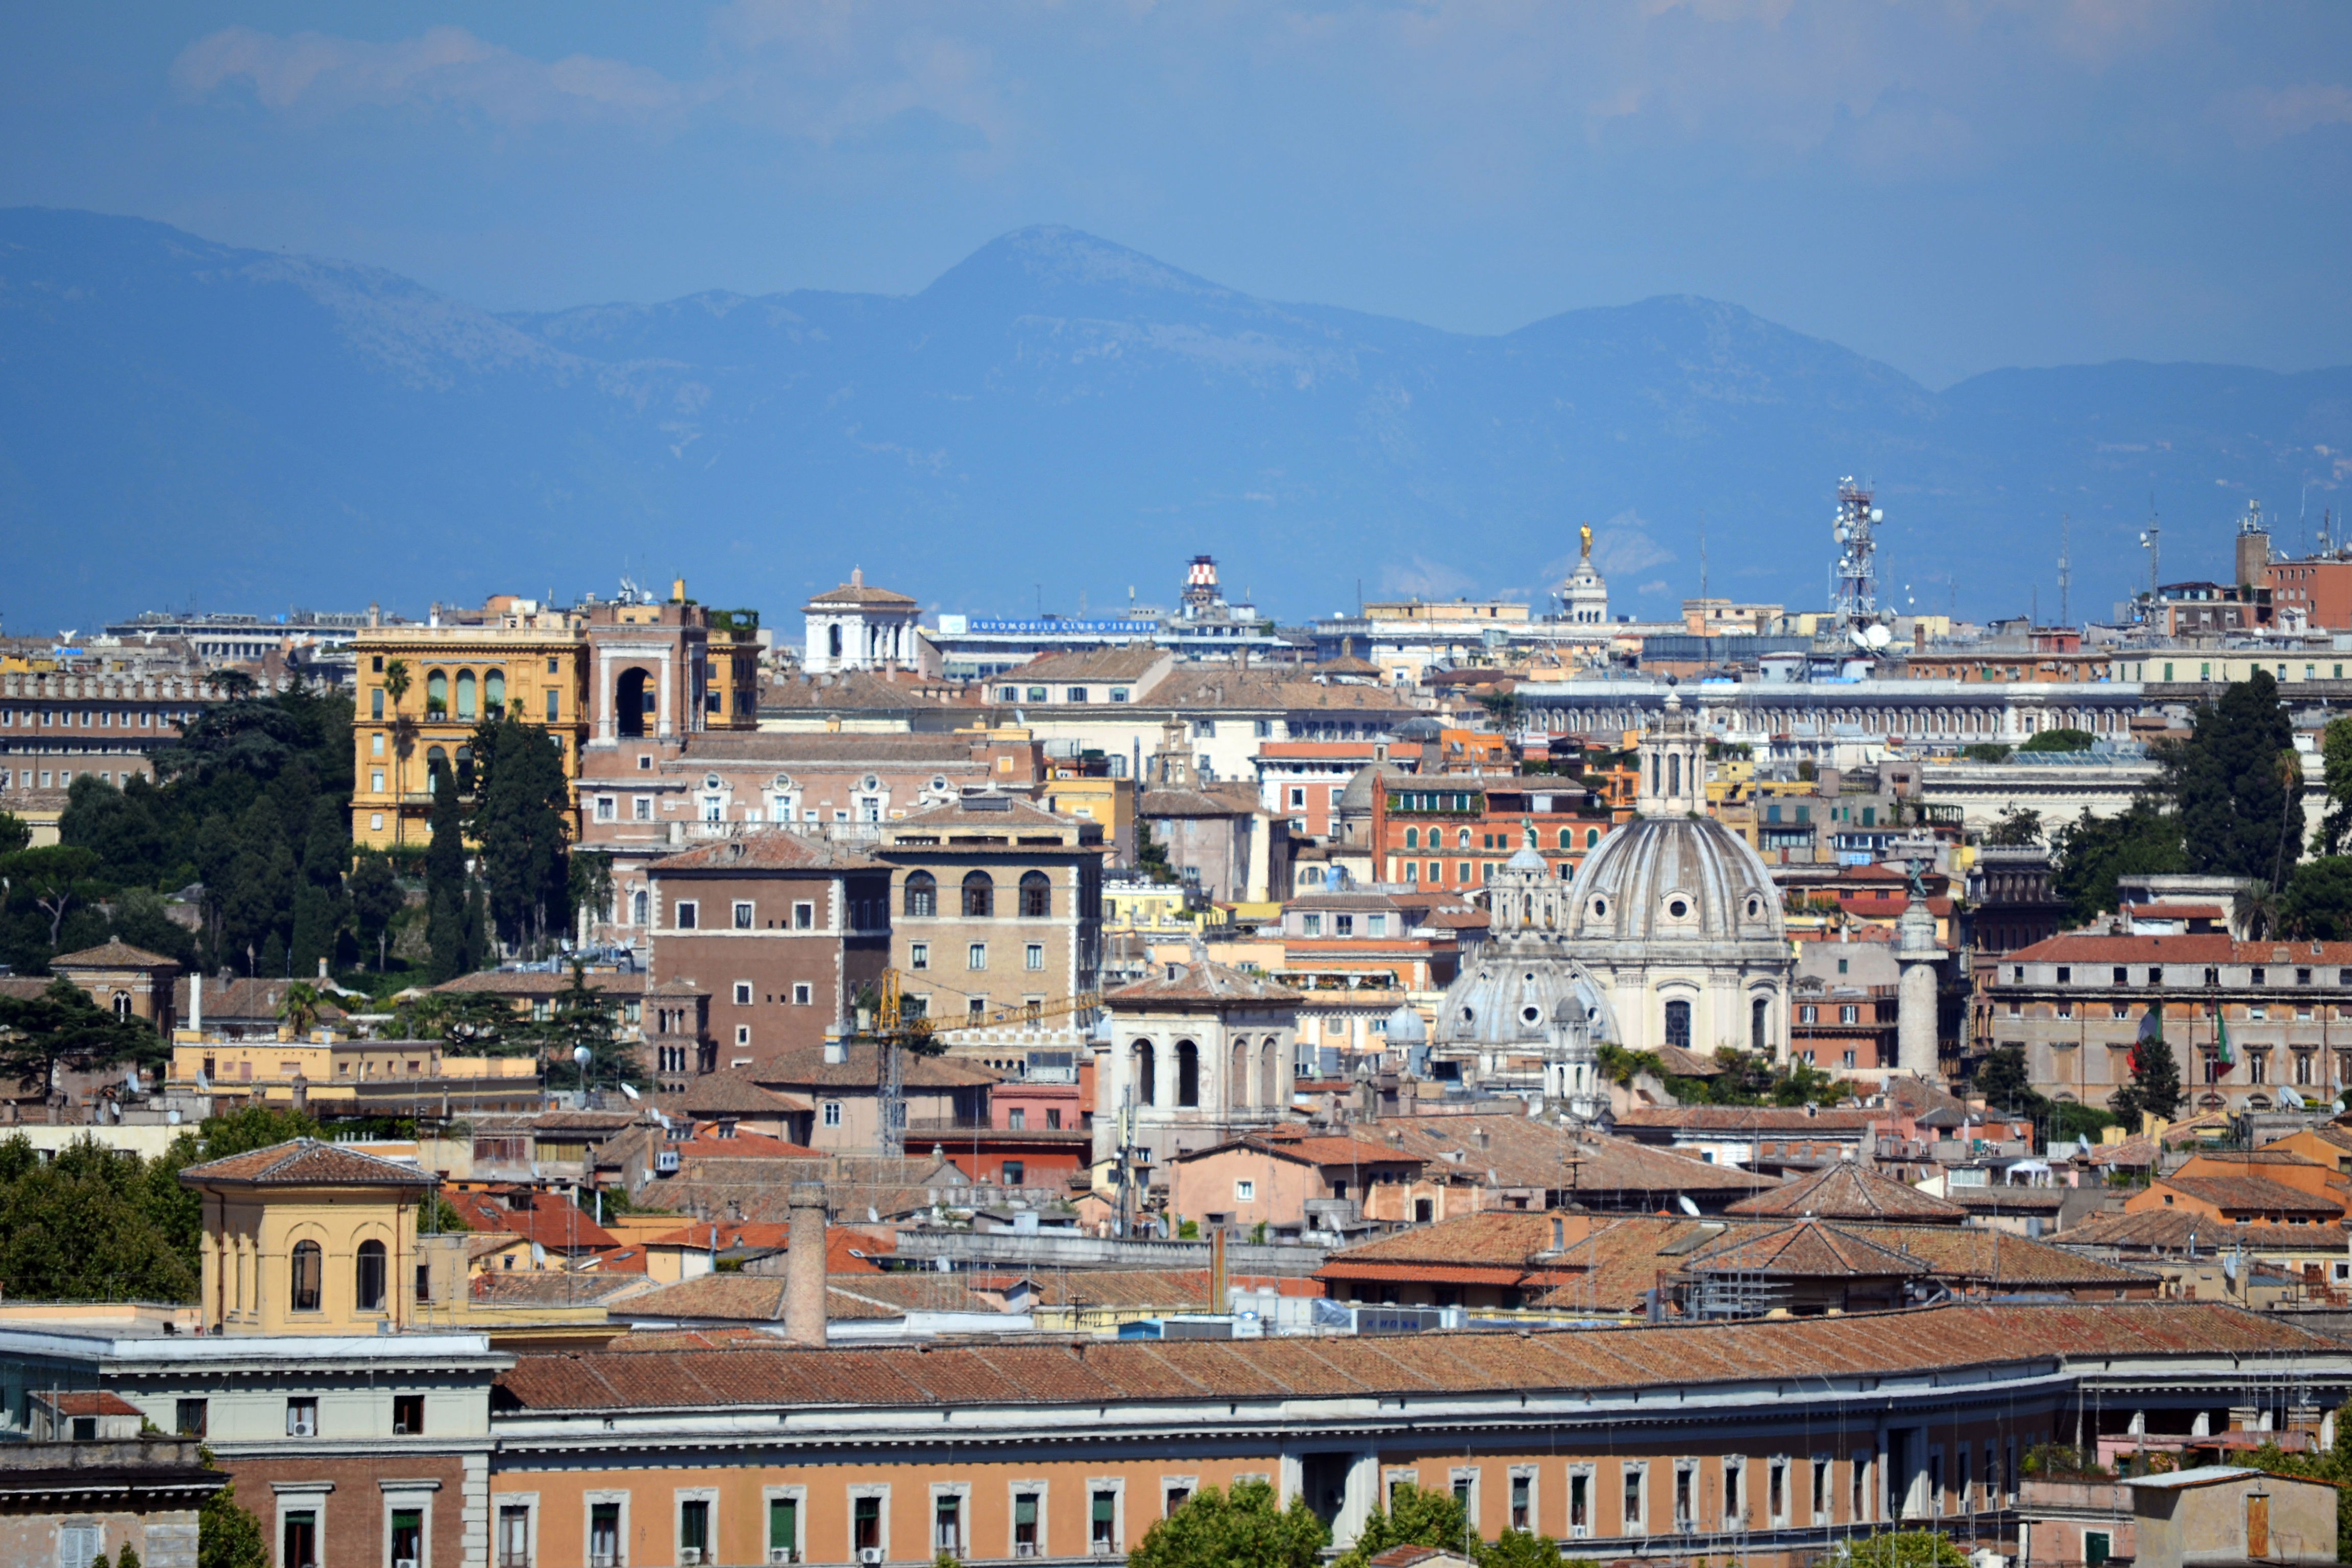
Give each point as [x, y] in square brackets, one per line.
[665, 1163]
[778, 1555]
[869, 1554]
[1024, 1549]
[689, 1557]
[404, 1562]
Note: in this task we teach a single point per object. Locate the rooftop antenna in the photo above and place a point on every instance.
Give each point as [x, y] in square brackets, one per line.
[2151, 539]
[2065, 567]
[1856, 596]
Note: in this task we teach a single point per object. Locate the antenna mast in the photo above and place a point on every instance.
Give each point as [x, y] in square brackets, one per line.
[1856, 599]
[2065, 568]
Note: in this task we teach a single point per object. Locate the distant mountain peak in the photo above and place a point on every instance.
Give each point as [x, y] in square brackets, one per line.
[1053, 263]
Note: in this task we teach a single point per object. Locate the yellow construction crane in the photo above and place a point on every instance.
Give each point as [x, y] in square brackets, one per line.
[894, 1033]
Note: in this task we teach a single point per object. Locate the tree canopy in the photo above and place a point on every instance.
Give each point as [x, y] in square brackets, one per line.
[2237, 783]
[1241, 1528]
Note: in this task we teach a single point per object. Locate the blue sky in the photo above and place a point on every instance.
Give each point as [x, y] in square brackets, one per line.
[1951, 187]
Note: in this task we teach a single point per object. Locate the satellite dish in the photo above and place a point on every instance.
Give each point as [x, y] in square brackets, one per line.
[1878, 636]
[2287, 1093]
[1688, 1207]
[630, 1092]
[1855, 635]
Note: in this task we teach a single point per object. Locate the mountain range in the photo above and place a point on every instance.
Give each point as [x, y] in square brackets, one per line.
[1056, 422]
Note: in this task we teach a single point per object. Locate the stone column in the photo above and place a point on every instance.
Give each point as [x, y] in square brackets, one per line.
[1916, 952]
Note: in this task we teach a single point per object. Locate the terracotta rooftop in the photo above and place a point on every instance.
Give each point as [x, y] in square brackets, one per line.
[1592, 1168]
[1316, 1152]
[1680, 1356]
[804, 1068]
[306, 1162]
[544, 1219]
[1845, 1190]
[2217, 948]
[735, 1092]
[86, 1402]
[112, 955]
[2171, 1231]
[984, 813]
[846, 1251]
[2254, 1193]
[769, 849]
[1806, 1248]
[1781, 1120]
[539, 983]
[1203, 980]
[856, 592]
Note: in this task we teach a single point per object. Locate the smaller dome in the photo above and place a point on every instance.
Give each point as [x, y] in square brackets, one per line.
[1405, 1028]
[1529, 860]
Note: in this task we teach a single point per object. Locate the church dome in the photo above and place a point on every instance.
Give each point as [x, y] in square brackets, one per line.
[1674, 879]
[1520, 989]
[1405, 1028]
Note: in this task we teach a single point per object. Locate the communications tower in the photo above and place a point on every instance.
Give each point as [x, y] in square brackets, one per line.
[1857, 568]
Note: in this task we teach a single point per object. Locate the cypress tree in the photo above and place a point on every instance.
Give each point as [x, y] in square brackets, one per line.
[2240, 785]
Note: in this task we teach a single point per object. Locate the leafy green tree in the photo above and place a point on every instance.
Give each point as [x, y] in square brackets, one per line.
[475, 1020]
[522, 823]
[2154, 1086]
[139, 918]
[2090, 855]
[77, 1228]
[375, 897]
[1977, 751]
[117, 826]
[2017, 827]
[1241, 1529]
[227, 1535]
[2060, 741]
[1521, 1549]
[2005, 1085]
[1413, 1518]
[62, 1027]
[578, 1015]
[54, 878]
[2317, 902]
[2335, 770]
[128, 1557]
[2333, 1464]
[15, 833]
[445, 879]
[2071, 1119]
[1903, 1549]
[2236, 783]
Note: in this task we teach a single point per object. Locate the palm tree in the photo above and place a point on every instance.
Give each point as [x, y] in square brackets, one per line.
[301, 1006]
[395, 680]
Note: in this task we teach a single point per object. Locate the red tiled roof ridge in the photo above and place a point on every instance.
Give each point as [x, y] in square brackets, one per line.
[306, 1162]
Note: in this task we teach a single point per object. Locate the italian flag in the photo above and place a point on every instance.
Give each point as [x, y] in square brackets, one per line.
[2224, 1059]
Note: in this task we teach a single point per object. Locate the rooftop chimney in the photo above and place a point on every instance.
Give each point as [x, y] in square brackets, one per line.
[804, 1265]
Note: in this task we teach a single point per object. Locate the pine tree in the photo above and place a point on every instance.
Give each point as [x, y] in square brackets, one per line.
[2155, 1084]
[445, 881]
[2238, 784]
[523, 824]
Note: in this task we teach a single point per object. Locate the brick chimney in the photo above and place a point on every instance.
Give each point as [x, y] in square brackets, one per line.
[805, 1266]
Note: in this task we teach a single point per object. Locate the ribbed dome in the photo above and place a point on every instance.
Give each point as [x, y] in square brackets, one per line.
[1674, 879]
[1520, 987]
[1405, 1028]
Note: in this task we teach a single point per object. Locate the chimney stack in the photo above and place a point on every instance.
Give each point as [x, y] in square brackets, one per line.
[805, 1266]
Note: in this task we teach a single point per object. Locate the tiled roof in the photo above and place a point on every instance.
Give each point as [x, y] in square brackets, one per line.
[1806, 1248]
[766, 849]
[760, 1190]
[547, 1220]
[86, 1402]
[852, 689]
[1097, 1373]
[804, 1068]
[112, 955]
[2088, 947]
[2252, 1193]
[1175, 803]
[760, 1298]
[1203, 981]
[225, 999]
[735, 1092]
[306, 1162]
[856, 592]
[846, 1251]
[2171, 1230]
[740, 1145]
[1131, 662]
[1318, 1151]
[1593, 1168]
[551, 1288]
[539, 983]
[1847, 1191]
[1971, 1255]
[1782, 1121]
[1997, 1197]
[1006, 811]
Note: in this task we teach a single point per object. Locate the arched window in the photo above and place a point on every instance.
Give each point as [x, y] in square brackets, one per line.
[1412, 837]
[123, 1006]
[465, 694]
[1268, 1056]
[494, 692]
[368, 1276]
[1146, 1074]
[632, 695]
[1188, 1073]
[637, 903]
[437, 691]
[1678, 1024]
[1461, 838]
[1592, 836]
[1036, 895]
[979, 896]
[436, 762]
[922, 893]
[1759, 1013]
[465, 770]
[1564, 836]
[309, 1264]
[833, 640]
[1237, 1078]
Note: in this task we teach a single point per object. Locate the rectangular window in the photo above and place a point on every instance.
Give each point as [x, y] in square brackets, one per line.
[188, 1418]
[301, 1417]
[833, 1113]
[803, 917]
[1025, 1524]
[1311, 925]
[1820, 1497]
[1635, 1476]
[1858, 1480]
[514, 1537]
[687, 913]
[976, 956]
[804, 994]
[1343, 925]
[783, 1529]
[1580, 1504]
[2097, 1546]
[375, 782]
[554, 706]
[866, 1524]
[1102, 1528]
[919, 955]
[604, 812]
[1682, 1502]
[743, 914]
[1776, 1490]
[408, 1415]
[1035, 958]
[641, 809]
[1016, 1173]
[375, 706]
[407, 1535]
[742, 994]
[947, 1523]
